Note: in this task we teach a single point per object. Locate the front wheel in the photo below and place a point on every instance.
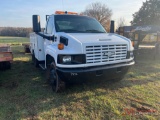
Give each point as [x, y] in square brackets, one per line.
[57, 84]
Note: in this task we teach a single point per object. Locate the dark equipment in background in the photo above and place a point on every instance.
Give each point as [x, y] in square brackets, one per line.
[137, 34]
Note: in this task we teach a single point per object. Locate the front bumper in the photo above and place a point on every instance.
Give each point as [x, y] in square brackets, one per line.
[111, 71]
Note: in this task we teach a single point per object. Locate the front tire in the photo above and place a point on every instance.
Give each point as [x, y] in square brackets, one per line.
[56, 83]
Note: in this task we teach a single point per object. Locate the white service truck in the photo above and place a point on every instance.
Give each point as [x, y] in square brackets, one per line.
[73, 46]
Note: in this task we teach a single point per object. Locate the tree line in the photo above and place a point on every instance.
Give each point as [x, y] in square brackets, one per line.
[15, 31]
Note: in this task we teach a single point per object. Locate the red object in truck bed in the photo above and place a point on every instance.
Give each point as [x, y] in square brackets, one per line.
[5, 53]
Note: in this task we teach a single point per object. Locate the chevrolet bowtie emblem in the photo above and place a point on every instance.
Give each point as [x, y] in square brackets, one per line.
[108, 54]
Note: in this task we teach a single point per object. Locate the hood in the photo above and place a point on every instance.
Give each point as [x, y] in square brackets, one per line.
[85, 38]
[77, 41]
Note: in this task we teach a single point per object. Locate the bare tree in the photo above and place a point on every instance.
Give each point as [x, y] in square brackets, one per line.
[101, 12]
[121, 22]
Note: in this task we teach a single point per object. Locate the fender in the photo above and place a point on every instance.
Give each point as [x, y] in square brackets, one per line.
[51, 51]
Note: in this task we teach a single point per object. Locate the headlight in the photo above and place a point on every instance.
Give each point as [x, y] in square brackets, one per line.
[130, 54]
[66, 59]
[71, 59]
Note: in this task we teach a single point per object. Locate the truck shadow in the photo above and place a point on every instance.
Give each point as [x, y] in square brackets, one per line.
[102, 83]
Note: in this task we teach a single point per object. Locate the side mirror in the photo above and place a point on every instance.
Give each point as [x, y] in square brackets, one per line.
[36, 23]
[112, 27]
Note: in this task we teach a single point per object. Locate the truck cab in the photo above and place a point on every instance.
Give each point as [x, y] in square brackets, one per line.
[73, 46]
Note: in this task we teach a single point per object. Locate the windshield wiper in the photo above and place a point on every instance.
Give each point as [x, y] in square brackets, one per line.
[95, 31]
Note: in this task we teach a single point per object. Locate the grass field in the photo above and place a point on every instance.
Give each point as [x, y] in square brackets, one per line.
[13, 40]
[24, 94]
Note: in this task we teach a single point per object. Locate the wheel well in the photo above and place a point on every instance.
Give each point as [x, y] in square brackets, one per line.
[49, 60]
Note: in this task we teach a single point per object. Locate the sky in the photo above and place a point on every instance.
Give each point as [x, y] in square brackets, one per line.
[18, 13]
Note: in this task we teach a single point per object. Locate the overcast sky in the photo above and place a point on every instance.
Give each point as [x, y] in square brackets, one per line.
[18, 13]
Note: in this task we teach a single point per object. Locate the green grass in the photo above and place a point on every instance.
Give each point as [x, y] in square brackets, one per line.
[13, 40]
[24, 94]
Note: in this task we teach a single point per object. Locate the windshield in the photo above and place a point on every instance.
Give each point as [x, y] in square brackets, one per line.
[77, 24]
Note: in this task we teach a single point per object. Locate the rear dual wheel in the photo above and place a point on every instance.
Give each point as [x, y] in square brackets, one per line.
[54, 79]
[35, 61]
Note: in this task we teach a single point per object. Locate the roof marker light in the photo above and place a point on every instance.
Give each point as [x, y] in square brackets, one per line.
[65, 12]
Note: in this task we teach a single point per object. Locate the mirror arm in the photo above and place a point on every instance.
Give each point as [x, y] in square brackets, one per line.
[46, 37]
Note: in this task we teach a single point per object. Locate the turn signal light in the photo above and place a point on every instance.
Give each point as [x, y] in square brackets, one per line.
[133, 43]
[60, 46]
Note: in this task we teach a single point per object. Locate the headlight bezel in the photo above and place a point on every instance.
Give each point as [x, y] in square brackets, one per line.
[130, 54]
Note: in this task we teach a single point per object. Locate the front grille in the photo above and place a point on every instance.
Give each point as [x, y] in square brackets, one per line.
[105, 53]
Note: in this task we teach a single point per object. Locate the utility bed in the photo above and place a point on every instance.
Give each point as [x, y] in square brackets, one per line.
[6, 57]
